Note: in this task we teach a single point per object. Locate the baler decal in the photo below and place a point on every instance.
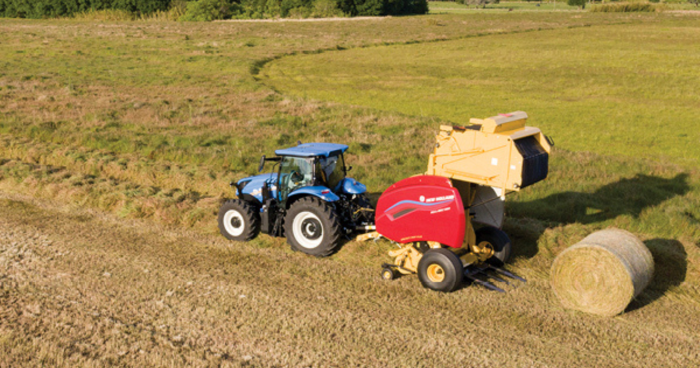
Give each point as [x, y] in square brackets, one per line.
[405, 207]
[419, 203]
[403, 212]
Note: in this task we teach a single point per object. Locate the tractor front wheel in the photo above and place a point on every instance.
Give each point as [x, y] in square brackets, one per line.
[238, 220]
[441, 270]
[312, 227]
[497, 240]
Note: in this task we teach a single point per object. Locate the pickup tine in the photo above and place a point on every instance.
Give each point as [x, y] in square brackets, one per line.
[506, 273]
[485, 284]
[482, 271]
[498, 279]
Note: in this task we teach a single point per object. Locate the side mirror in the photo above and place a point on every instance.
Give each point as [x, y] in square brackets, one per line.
[262, 163]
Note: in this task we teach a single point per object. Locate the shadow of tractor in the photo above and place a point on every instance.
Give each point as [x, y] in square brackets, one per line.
[629, 196]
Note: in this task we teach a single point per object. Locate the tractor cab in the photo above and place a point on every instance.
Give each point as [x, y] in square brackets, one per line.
[316, 169]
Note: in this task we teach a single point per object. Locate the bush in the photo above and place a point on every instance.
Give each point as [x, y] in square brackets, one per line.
[297, 8]
[326, 9]
[580, 3]
[208, 10]
[383, 7]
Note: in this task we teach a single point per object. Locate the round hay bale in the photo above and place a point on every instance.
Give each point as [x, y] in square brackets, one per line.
[602, 273]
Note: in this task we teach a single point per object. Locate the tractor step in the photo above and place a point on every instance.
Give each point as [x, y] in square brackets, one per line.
[471, 272]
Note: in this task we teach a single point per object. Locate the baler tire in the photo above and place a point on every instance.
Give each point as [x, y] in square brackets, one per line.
[499, 241]
[450, 266]
[388, 274]
[311, 212]
[239, 220]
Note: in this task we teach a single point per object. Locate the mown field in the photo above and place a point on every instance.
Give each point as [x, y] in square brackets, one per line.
[119, 140]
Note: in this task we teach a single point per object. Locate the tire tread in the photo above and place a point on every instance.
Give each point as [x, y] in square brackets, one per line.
[334, 229]
[251, 217]
[448, 256]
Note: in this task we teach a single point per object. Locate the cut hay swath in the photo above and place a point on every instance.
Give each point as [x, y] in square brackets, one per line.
[602, 273]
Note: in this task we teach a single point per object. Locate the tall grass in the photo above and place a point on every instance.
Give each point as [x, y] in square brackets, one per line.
[105, 15]
[628, 8]
[176, 11]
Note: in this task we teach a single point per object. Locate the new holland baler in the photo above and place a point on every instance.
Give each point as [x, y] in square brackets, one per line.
[447, 223]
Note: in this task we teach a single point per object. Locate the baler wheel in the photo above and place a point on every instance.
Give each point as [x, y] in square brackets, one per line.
[441, 270]
[498, 241]
[312, 227]
[238, 220]
[388, 274]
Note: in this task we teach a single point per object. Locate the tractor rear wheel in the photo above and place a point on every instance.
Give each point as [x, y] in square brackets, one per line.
[441, 270]
[312, 227]
[238, 220]
[497, 240]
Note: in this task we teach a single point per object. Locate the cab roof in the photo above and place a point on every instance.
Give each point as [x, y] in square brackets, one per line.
[313, 150]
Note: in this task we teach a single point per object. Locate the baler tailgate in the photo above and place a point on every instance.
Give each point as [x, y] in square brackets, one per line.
[535, 160]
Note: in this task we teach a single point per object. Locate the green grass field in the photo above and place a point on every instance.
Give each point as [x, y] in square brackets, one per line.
[119, 140]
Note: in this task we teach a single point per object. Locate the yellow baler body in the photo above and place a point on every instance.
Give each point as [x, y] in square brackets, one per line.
[485, 152]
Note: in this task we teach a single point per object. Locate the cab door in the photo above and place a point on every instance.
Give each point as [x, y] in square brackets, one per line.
[295, 173]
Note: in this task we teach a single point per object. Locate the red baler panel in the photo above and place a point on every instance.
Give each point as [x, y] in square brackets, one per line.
[422, 208]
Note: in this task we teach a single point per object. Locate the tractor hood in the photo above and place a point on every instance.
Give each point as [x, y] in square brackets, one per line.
[252, 186]
[352, 186]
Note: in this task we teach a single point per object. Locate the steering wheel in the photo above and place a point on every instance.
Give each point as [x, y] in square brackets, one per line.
[295, 177]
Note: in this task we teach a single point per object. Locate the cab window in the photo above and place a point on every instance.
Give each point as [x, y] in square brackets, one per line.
[332, 170]
[295, 172]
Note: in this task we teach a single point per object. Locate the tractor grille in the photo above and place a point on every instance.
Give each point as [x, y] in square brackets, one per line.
[535, 160]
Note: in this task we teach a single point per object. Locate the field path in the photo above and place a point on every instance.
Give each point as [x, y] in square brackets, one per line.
[302, 20]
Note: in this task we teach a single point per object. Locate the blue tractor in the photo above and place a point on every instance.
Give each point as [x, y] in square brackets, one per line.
[307, 197]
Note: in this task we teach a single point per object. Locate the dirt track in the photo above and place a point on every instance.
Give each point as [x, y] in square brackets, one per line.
[303, 20]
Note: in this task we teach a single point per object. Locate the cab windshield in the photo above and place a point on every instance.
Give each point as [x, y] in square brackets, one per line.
[331, 170]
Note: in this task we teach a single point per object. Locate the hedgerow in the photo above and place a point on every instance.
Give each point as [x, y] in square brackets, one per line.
[207, 10]
[63, 8]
